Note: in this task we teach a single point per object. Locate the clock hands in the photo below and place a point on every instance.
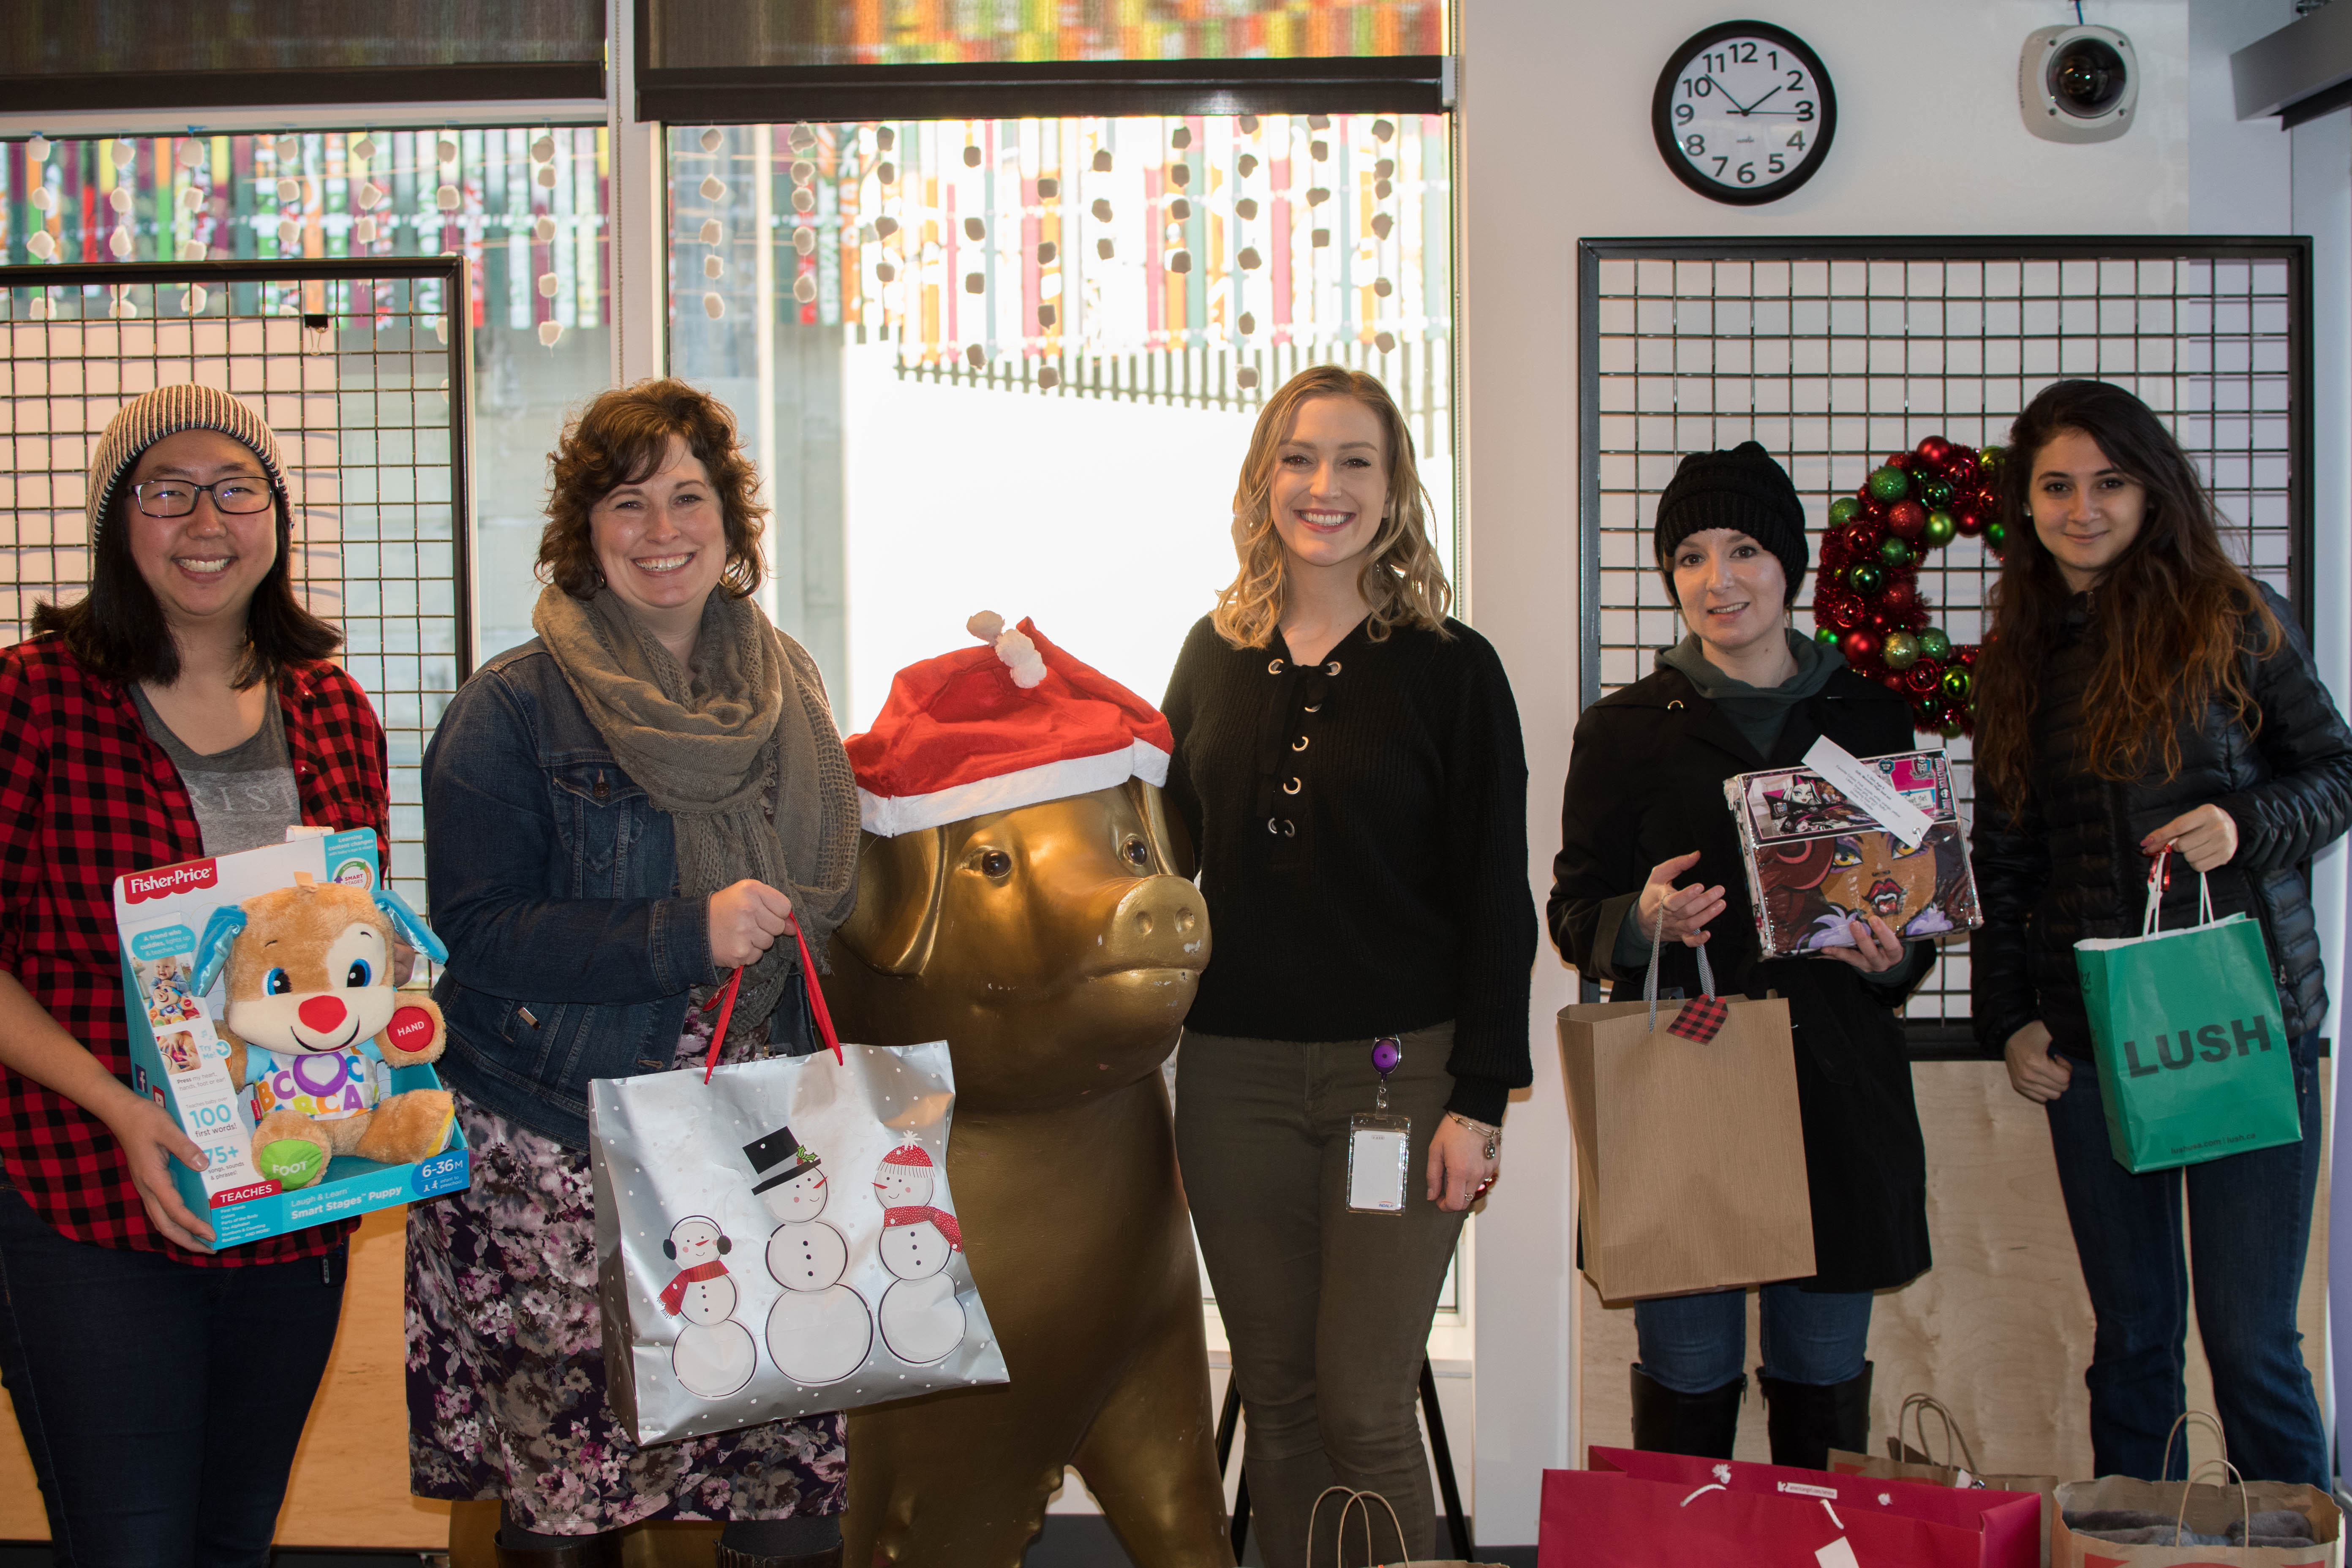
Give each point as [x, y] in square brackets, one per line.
[1750, 108]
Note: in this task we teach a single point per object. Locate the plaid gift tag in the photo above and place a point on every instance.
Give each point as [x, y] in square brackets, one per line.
[1700, 1019]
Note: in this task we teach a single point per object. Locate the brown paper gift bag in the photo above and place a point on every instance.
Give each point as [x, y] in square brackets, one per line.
[2184, 1505]
[1908, 1462]
[1690, 1156]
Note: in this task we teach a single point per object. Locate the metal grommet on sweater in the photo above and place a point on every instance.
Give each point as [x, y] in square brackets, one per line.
[1332, 668]
[1273, 667]
[1299, 744]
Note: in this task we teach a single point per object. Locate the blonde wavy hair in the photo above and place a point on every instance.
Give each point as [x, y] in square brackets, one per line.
[1401, 578]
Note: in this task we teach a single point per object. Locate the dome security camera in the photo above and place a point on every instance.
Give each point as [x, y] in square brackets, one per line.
[2077, 83]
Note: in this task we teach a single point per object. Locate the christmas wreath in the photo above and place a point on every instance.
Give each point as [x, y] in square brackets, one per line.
[1867, 598]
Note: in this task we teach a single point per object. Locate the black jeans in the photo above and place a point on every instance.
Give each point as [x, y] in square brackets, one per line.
[160, 1403]
[2250, 1225]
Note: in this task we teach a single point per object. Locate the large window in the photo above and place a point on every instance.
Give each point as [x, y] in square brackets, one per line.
[1014, 363]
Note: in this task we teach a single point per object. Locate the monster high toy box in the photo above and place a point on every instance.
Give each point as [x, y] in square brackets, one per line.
[1847, 837]
[322, 996]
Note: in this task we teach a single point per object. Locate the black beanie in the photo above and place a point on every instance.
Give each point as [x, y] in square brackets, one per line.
[1743, 488]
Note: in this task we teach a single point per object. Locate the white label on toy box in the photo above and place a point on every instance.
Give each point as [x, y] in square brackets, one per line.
[1868, 788]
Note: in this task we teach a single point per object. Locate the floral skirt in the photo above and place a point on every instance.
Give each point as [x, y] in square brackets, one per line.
[506, 1372]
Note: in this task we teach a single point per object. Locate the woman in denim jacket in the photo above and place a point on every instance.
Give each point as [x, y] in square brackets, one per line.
[617, 814]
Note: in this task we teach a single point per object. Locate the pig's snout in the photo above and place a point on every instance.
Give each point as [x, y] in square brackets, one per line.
[1159, 923]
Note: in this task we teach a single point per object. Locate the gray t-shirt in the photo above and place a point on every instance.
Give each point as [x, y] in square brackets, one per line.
[244, 797]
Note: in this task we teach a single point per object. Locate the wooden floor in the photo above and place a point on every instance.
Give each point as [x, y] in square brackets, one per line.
[2000, 1330]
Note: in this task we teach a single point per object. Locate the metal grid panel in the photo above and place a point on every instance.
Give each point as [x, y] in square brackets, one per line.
[1834, 352]
[353, 364]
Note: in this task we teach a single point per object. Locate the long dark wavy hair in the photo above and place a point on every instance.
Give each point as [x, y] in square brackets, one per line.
[2171, 617]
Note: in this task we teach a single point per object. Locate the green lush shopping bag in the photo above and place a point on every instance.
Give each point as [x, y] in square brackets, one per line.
[2192, 1050]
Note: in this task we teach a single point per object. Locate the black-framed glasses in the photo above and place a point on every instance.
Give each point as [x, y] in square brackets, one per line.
[236, 495]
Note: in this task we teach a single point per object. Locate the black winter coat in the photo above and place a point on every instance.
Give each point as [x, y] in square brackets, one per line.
[2068, 866]
[1645, 784]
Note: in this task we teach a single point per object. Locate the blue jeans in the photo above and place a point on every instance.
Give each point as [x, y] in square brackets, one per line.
[160, 1402]
[2250, 1216]
[1694, 1344]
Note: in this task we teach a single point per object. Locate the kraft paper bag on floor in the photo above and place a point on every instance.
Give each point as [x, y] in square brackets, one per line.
[2213, 1510]
[1690, 1155]
[1905, 1461]
[2190, 1045]
[1636, 1509]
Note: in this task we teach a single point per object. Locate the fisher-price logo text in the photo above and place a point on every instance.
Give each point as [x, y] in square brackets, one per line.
[140, 886]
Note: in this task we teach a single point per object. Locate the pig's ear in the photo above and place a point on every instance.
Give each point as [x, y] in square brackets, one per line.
[1174, 855]
[897, 912]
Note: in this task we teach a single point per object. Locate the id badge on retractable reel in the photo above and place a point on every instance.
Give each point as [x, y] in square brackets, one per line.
[1379, 1144]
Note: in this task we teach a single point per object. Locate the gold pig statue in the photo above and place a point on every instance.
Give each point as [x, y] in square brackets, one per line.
[1014, 897]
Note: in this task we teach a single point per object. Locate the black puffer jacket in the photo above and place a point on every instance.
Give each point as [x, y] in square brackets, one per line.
[2069, 867]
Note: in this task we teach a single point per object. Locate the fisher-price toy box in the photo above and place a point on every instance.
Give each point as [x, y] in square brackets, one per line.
[179, 1058]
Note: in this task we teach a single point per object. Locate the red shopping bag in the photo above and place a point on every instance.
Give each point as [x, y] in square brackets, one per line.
[1635, 1509]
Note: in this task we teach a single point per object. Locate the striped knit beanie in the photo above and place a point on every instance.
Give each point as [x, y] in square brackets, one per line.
[167, 411]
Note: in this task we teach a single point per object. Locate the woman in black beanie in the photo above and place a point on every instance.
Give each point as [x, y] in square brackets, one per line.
[1644, 811]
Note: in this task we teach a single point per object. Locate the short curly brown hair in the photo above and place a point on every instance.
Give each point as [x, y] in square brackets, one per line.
[620, 439]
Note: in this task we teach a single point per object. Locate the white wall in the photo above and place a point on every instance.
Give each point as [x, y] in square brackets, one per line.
[1556, 145]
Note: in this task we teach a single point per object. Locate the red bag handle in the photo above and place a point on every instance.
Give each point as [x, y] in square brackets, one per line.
[724, 1000]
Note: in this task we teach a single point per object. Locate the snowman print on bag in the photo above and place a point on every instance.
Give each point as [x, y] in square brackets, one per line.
[921, 1319]
[819, 1330]
[714, 1354]
[904, 1179]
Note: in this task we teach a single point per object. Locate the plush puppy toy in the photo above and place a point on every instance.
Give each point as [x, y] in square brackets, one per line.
[312, 1021]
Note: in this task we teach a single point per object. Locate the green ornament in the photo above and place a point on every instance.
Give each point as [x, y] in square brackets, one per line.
[1956, 683]
[1935, 494]
[1940, 530]
[1889, 484]
[1934, 645]
[1896, 552]
[1989, 458]
[1843, 509]
[1865, 578]
[1899, 651]
[1827, 635]
[1952, 728]
[1996, 535]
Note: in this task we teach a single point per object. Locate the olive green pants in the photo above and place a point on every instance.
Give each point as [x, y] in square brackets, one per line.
[1327, 1310]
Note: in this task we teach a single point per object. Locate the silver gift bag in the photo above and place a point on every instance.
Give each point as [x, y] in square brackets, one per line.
[780, 1240]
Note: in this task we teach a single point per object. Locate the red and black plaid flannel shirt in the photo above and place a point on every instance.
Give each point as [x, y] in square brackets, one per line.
[86, 796]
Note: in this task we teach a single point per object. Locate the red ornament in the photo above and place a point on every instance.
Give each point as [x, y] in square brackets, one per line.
[1864, 535]
[1960, 468]
[1923, 678]
[1902, 460]
[1860, 648]
[1935, 450]
[1967, 521]
[1906, 519]
[1900, 599]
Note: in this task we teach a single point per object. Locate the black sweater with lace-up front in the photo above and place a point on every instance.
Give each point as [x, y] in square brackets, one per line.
[1360, 828]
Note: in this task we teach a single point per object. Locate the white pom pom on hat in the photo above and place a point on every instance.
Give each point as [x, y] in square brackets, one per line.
[1014, 723]
[1019, 654]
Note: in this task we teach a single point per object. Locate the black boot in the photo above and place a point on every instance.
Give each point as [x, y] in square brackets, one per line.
[803, 1540]
[1807, 1420]
[728, 1557]
[1703, 1425]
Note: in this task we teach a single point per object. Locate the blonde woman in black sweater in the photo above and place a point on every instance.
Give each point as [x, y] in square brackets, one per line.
[1350, 768]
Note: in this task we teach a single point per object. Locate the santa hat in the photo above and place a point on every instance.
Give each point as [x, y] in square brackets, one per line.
[994, 727]
[921, 1214]
[909, 1154]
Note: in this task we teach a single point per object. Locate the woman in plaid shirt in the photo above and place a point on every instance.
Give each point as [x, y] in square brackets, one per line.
[183, 709]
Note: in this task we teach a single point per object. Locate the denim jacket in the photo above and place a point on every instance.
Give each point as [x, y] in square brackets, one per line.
[552, 878]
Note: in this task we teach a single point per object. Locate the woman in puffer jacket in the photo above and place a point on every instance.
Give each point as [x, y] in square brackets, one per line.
[2139, 692]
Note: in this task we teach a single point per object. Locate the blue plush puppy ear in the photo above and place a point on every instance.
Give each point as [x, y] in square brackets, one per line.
[212, 948]
[412, 930]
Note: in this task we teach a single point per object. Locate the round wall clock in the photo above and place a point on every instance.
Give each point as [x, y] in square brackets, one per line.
[1744, 112]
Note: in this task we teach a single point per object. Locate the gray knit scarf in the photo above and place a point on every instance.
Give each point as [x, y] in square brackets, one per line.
[752, 775]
